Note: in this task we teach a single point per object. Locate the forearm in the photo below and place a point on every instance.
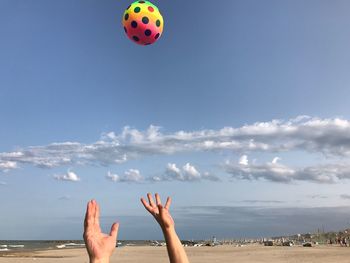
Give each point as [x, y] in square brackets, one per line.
[175, 249]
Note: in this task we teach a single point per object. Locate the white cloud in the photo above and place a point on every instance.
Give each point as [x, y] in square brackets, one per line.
[275, 160]
[243, 160]
[329, 137]
[277, 172]
[271, 171]
[188, 173]
[7, 165]
[129, 176]
[69, 176]
[3, 183]
[132, 175]
[112, 177]
[173, 173]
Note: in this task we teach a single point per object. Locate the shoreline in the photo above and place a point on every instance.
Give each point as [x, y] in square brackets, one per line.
[224, 253]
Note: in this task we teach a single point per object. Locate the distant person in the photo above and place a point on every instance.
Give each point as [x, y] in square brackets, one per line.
[100, 246]
[345, 242]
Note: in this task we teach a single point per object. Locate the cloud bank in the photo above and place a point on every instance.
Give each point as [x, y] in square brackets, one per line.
[274, 171]
[328, 137]
[188, 173]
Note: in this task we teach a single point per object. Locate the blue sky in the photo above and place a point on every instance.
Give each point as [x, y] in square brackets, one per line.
[71, 82]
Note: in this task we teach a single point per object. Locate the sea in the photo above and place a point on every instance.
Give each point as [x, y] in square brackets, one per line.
[36, 245]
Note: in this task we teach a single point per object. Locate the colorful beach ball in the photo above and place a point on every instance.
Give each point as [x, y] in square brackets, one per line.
[143, 22]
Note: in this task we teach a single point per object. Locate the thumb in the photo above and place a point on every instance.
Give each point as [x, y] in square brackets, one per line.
[114, 230]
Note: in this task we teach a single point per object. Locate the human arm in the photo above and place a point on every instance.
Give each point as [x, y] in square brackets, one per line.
[99, 246]
[175, 249]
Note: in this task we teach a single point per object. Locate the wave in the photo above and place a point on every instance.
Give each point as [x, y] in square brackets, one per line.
[67, 245]
[74, 245]
[60, 246]
[14, 246]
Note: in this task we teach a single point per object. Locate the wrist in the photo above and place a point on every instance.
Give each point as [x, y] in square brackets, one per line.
[99, 260]
[169, 230]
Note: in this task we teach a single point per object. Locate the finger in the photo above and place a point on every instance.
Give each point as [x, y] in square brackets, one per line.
[93, 211]
[86, 215]
[89, 218]
[97, 215]
[168, 203]
[150, 199]
[114, 230]
[146, 205]
[161, 210]
[158, 199]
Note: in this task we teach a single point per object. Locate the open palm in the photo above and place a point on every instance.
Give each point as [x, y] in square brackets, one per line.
[160, 213]
[100, 246]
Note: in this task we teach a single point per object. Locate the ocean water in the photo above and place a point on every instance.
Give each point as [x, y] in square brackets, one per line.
[34, 245]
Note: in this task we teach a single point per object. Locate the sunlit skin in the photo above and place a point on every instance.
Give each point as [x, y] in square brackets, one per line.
[100, 246]
[162, 215]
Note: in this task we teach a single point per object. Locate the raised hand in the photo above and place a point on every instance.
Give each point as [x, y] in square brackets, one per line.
[175, 249]
[160, 213]
[100, 246]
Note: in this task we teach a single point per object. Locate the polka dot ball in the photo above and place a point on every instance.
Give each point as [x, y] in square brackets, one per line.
[143, 22]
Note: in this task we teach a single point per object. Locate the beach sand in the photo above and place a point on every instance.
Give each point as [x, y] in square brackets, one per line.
[145, 254]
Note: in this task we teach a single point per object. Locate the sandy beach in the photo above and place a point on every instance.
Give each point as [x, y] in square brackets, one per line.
[145, 254]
